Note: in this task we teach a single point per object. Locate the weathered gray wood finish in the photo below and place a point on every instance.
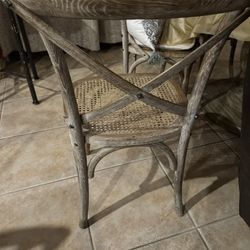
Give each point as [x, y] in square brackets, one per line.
[133, 9]
[74, 124]
[78, 125]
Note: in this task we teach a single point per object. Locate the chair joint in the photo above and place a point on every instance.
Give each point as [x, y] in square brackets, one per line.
[139, 96]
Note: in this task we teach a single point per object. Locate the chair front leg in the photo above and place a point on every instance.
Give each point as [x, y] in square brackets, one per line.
[192, 109]
[125, 44]
[77, 137]
[186, 80]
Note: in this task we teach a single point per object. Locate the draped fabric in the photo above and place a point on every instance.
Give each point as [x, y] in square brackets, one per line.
[182, 31]
[85, 33]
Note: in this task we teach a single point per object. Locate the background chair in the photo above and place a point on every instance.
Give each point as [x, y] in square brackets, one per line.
[130, 110]
[142, 54]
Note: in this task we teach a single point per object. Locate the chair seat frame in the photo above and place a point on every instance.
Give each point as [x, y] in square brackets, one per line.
[56, 45]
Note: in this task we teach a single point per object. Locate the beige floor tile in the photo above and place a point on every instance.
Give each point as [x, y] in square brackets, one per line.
[43, 218]
[34, 159]
[187, 241]
[47, 85]
[132, 205]
[22, 116]
[123, 156]
[47, 156]
[211, 185]
[230, 234]
[18, 88]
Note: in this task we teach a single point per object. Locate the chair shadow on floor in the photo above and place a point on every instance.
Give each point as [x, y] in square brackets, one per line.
[224, 173]
[201, 168]
[20, 86]
[48, 238]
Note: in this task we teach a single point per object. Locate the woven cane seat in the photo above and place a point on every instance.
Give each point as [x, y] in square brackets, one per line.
[136, 118]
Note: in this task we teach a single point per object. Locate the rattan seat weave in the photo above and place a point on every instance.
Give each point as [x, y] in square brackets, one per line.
[137, 117]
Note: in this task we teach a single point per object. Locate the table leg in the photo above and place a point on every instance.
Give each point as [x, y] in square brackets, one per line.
[26, 43]
[23, 56]
[244, 173]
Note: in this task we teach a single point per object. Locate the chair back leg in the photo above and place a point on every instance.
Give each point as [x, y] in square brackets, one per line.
[125, 46]
[192, 109]
[75, 125]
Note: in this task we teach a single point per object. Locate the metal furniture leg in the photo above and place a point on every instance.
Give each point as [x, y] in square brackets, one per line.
[23, 55]
[26, 44]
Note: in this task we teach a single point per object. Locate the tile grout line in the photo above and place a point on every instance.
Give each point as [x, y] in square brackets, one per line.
[199, 231]
[196, 229]
[67, 178]
[203, 239]
[188, 214]
[23, 99]
[91, 239]
[125, 163]
[217, 221]
[37, 186]
[209, 223]
[160, 167]
[165, 238]
[33, 132]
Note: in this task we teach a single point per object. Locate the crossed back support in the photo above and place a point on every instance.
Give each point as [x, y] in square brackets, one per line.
[103, 9]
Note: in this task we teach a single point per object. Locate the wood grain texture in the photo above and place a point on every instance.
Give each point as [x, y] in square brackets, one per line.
[75, 125]
[131, 9]
[96, 67]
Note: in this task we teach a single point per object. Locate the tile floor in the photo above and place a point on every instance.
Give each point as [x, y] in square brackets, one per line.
[131, 204]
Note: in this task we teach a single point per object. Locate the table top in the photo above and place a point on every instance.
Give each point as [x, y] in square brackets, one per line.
[131, 9]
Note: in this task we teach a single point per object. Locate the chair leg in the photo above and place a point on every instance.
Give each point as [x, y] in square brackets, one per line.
[163, 66]
[137, 62]
[179, 173]
[233, 43]
[185, 82]
[77, 137]
[193, 105]
[81, 166]
[87, 148]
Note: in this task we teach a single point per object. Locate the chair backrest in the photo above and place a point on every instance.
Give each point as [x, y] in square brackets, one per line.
[114, 9]
[131, 9]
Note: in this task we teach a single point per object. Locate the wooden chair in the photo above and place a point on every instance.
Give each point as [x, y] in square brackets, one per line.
[130, 110]
[142, 54]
